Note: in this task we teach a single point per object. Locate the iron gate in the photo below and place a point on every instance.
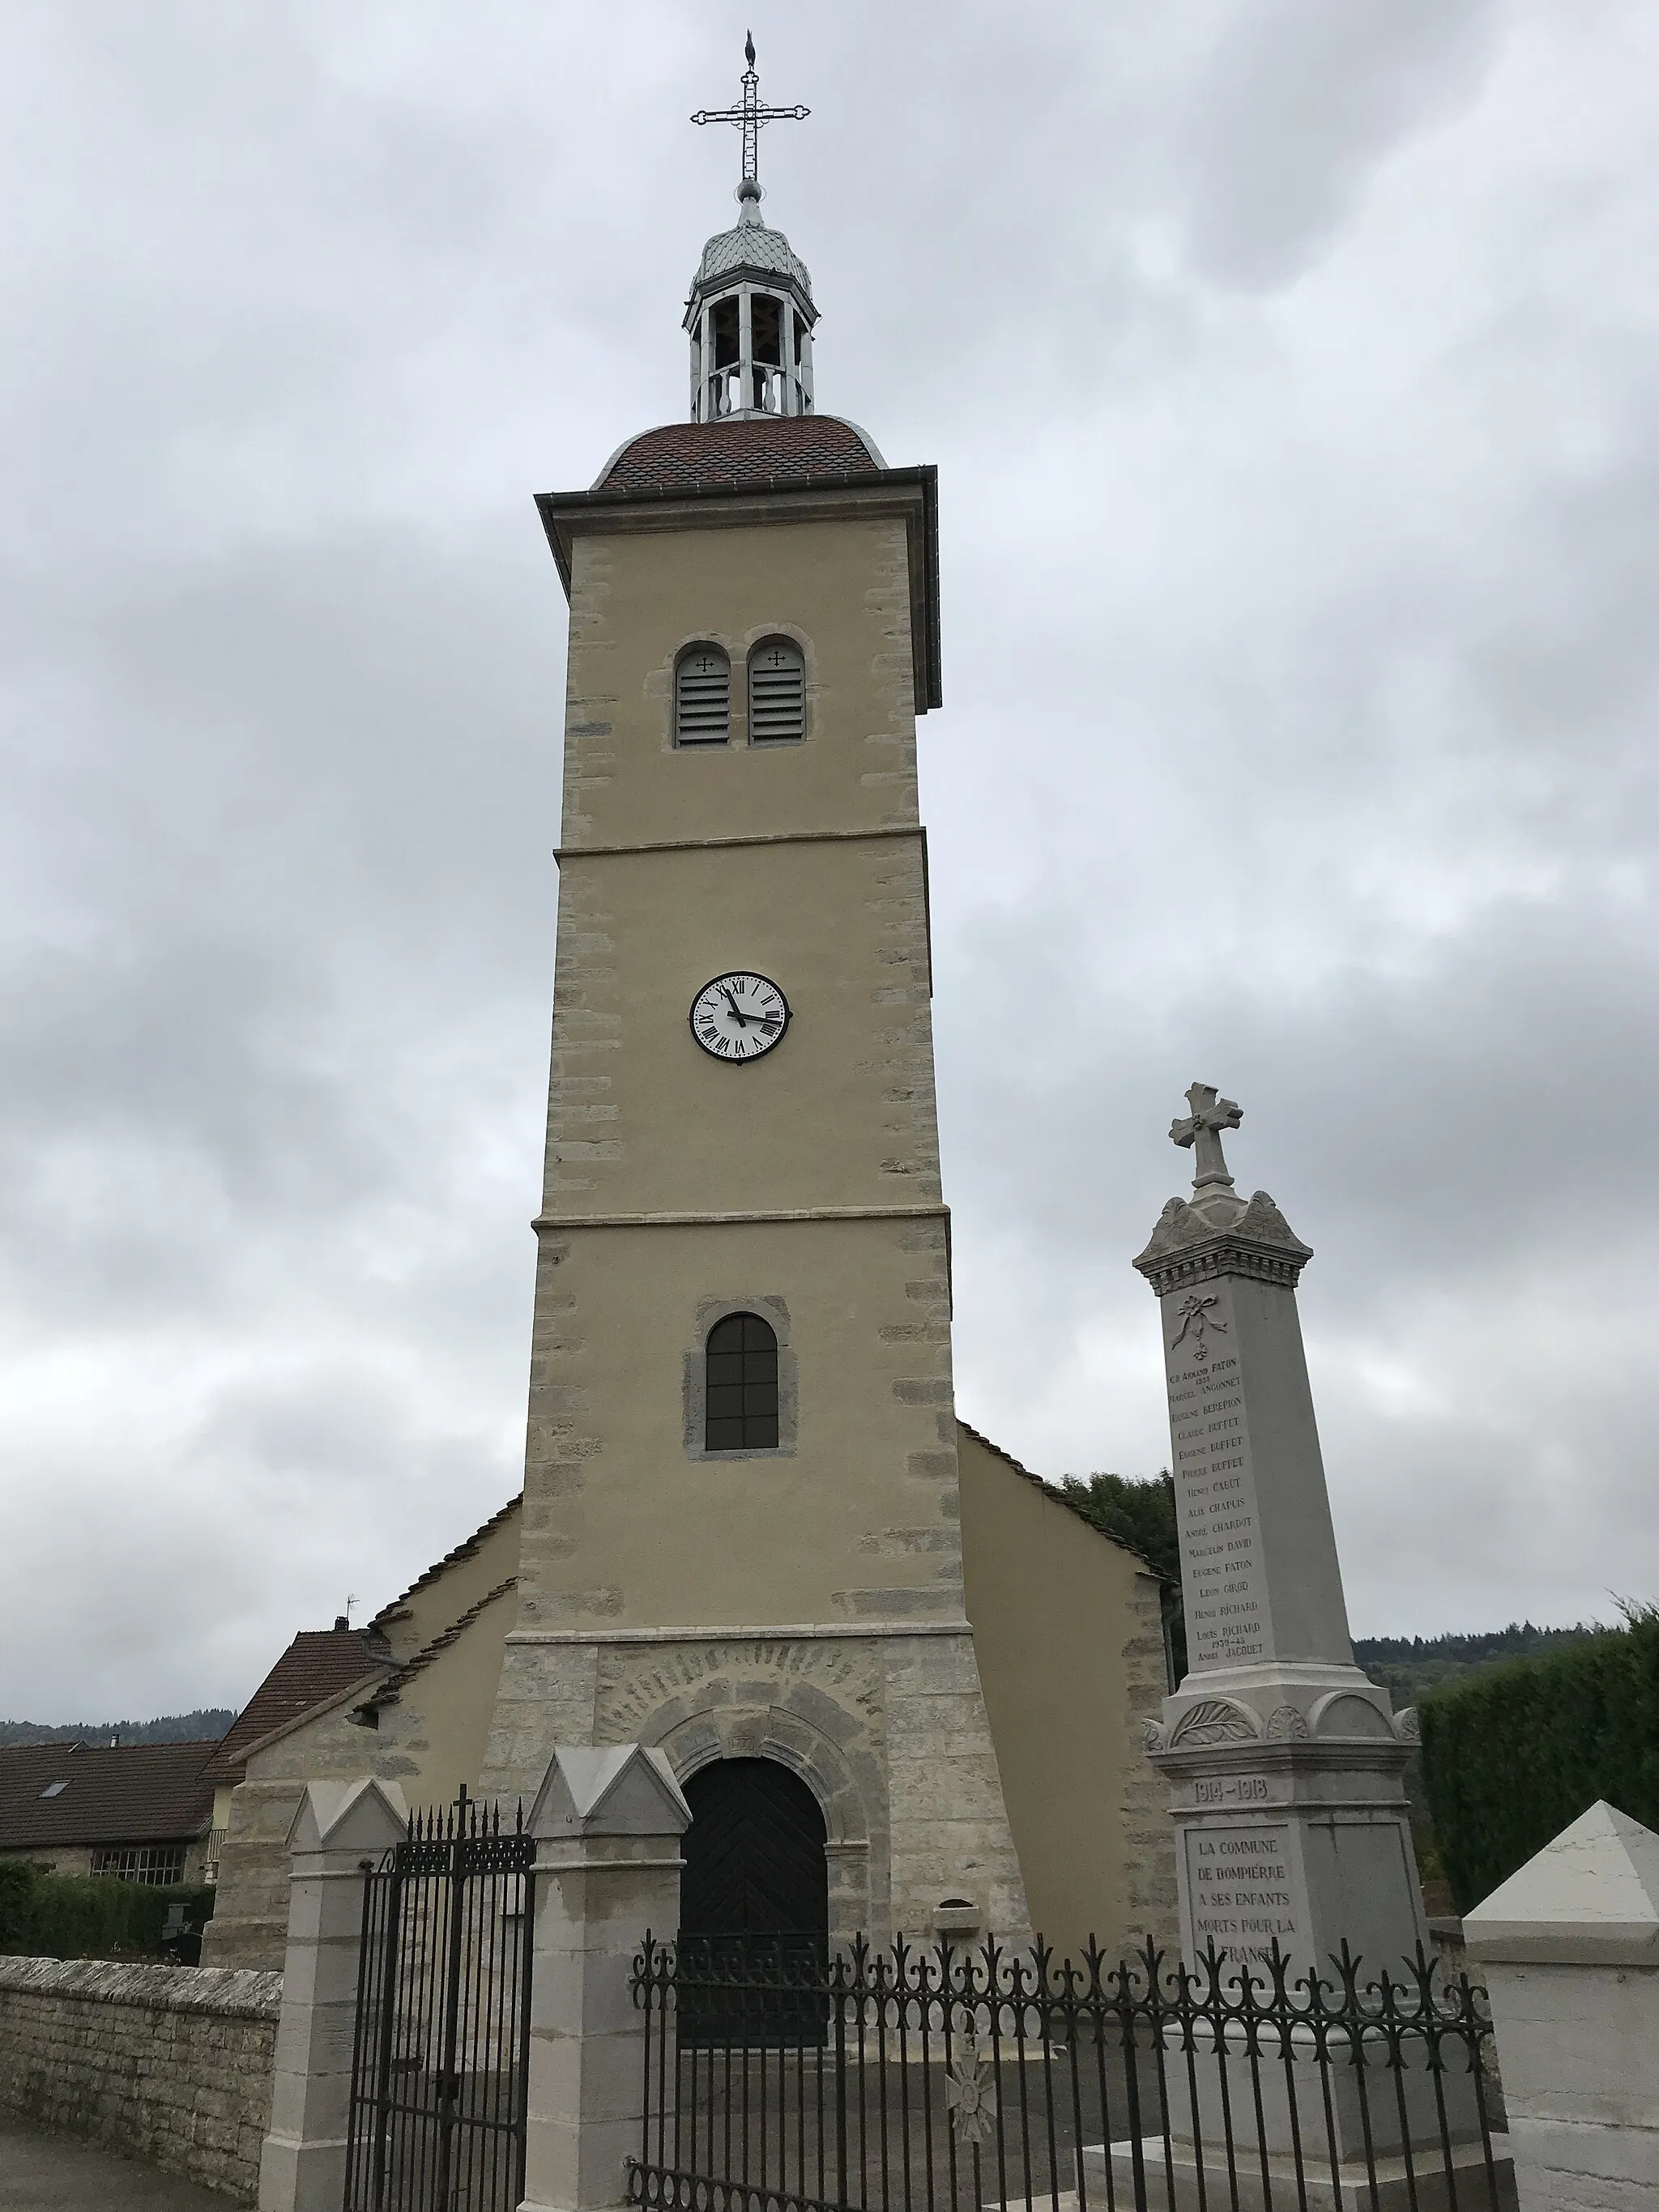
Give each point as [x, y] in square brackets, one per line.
[938, 2081]
[441, 2053]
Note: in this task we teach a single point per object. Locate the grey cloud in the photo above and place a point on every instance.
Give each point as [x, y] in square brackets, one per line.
[1297, 103]
[1300, 681]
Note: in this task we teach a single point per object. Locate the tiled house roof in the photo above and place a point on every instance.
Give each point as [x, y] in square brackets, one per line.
[131, 1793]
[767, 449]
[318, 1665]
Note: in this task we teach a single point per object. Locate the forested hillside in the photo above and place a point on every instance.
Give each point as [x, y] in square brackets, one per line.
[208, 1721]
[1141, 1513]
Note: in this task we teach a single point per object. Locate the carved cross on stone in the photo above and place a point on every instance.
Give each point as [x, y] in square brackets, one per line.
[1201, 1129]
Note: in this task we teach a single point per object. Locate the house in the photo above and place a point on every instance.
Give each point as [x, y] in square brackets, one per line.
[142, 1812]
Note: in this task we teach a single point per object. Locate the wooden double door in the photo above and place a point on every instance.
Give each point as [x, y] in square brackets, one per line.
[754, 1905]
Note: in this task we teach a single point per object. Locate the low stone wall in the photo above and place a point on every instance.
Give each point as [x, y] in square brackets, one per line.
[168, 2063]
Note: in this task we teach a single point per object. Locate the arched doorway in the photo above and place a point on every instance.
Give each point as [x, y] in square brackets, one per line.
[753, 1901]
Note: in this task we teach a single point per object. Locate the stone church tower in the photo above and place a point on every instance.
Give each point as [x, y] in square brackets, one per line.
[900, 1680]
[742, 1124]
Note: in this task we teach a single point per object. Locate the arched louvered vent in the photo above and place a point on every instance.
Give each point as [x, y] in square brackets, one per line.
[702, 696]
[777, 693]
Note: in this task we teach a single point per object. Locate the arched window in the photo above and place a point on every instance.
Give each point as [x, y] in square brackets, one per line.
[777, 693]
[702, 696]
[741, 1386]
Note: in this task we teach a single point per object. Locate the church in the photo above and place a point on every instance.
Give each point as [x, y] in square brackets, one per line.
[901, 1681]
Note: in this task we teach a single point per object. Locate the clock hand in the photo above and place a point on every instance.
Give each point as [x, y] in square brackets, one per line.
[737, 1009]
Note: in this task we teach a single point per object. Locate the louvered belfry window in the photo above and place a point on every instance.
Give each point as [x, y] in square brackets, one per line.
[777, 693]
[702, 696]
[741, 1386]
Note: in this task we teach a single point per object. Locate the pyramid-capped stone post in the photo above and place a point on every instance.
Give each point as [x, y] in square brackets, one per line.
[1569, 1949]
[607, 1823]
[336, 1836]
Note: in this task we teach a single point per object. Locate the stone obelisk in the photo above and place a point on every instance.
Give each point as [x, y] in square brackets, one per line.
[1285, 1762]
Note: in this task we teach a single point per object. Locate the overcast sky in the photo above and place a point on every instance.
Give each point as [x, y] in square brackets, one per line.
[1289, 366]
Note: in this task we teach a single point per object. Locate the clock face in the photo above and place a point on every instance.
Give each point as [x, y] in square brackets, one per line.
[739, 1016]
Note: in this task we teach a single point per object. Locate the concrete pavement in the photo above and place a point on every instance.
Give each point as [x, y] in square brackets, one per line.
[54, 2173]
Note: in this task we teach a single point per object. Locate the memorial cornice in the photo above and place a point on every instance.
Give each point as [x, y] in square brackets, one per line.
[1191, 1245]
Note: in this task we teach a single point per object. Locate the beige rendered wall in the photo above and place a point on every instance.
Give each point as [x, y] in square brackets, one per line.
[839, 587]
[625, 1523]
[841, 1113]
[627, 1526]
[1067, 1628]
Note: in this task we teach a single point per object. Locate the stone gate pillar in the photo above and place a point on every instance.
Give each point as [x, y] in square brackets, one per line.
[336, 1838]
[1569, 1947]
[607, 1824]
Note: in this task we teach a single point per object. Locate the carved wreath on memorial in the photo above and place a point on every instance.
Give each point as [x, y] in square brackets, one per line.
[1194, 1317]
[970, 2091]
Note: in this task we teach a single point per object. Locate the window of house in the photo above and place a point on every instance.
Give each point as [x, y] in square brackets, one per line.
[777, 693]
[702, 696]
[54, 1789]
[741, 1391]
[161, 1863]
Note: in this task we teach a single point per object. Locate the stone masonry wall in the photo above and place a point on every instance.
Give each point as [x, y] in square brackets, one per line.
[168, 2063]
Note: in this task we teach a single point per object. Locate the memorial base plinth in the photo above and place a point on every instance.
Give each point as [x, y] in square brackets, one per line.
[1182, 2177]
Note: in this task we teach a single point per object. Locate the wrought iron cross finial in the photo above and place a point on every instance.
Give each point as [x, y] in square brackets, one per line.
[1202, 1129]
[752, 113]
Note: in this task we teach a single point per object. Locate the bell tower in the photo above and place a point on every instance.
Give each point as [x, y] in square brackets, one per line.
[742, 1531]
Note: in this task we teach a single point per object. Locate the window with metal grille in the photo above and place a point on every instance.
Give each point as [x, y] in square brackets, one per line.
[161, 1863]
[741, 1386]
[702, 696]
[777, 693]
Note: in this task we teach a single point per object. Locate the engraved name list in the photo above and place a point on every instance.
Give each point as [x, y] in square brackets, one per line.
[1215, 1485]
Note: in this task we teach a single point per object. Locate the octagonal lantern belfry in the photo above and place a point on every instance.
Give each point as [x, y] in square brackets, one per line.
[749, 317]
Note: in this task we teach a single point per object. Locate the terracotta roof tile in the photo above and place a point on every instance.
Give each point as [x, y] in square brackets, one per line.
[782, 448]
[318, 1665]
[130, 1793]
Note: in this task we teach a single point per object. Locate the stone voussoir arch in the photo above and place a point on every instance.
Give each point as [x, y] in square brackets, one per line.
[696, 1740]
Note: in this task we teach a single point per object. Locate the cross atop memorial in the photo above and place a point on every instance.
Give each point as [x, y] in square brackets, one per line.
[1202, 1129]
[750, 116]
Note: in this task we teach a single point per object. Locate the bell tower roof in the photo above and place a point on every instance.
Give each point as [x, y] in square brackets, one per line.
[750, 315]
[749, 245]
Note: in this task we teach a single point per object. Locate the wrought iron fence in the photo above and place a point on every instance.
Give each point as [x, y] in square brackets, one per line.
[441, 2057]
[916, 2080]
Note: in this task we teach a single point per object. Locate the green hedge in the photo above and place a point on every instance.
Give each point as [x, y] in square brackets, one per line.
[58, 1916]
[1515, 1753]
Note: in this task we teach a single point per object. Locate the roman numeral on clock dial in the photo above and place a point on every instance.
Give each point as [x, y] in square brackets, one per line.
[739, 1016]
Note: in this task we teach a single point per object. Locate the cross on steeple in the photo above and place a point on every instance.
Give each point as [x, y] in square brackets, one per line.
[1202, 1129]
[750, 116]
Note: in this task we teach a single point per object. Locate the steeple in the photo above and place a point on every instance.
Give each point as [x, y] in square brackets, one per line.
[750, 316]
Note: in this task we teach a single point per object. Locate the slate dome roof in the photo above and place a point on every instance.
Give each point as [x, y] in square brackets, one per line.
[749, 245]
[751, 450]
